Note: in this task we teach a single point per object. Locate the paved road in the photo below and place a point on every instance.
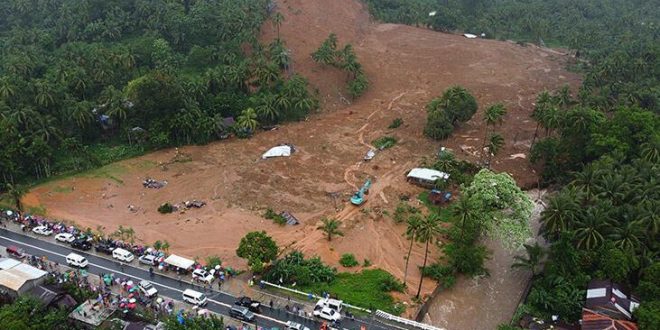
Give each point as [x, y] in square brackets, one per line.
[219, 302]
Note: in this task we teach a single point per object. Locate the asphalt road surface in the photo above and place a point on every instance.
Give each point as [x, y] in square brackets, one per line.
[219, 302]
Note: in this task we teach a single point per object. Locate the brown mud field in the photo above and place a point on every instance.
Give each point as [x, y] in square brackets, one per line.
[406, 66]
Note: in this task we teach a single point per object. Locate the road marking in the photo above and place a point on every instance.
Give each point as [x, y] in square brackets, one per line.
[133, 276]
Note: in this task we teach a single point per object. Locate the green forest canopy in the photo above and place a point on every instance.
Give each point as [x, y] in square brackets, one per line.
[80, 76]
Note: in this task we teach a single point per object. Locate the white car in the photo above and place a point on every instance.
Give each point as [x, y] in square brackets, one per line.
[147, 289]
[148, 259]
[290, 325]
[202, 275]
[42, 230]
[328, 314]
[65, 237]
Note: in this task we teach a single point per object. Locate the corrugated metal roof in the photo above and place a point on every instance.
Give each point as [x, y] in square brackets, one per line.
[14, 274]
[6, 263]
[427, 174]
[29, 272]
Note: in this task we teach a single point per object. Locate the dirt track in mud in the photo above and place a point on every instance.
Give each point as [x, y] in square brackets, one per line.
[407, 67]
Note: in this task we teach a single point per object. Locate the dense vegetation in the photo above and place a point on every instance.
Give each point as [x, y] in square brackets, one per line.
[87, 82]
[345, 59]
[600, 146]
[455, 106]
[30, 314]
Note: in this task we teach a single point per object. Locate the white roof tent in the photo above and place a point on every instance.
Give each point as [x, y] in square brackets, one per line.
[181, 262]
[279, 151]
[427, 174]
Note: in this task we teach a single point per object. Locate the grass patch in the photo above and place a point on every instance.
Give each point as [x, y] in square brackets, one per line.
[396, 123]
[384, 142]
[112, 172]
[37, 210]
[368, 289]
[443, 212]
[63, 189]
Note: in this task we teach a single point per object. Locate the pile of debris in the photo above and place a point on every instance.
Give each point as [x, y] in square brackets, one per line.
[194, 203]
[153, 184]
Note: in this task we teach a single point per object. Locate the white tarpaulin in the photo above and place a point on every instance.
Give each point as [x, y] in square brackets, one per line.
[279, 151]
[181, 262]
[470, 36]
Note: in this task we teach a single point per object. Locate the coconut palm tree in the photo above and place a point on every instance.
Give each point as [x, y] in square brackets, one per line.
[331, 228]
[248, 120]
[464, 213]
[532, 261]
[267, 108]
[414, 221]
[560, 213]
[495, 144]
[493, 115]
[627, 237]
[591, 229]
[428, 231]
[278, 18]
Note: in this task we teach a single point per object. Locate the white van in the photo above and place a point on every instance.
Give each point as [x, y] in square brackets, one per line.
[194, 297]
[76, 260]
[122, 255]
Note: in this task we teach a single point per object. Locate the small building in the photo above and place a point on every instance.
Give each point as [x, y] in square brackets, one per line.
[53, 297]
[17, 278]
[594, 321]
[425, 177]
[608, 306]
[91, 313]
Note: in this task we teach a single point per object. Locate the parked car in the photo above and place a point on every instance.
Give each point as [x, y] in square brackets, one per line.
[241, 313]
[290, 325]
[252, 305]
[65, 237]
[42, 230]
[202, 275]
[105, 248]
[15, 252]
[147, 289]
[148, 259]
[327, 313]
[81, 244]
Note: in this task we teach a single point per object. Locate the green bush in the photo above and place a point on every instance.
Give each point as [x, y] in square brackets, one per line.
[366, 263]
[384, 142]
[348, 260]
[294, 268]
[166, 208]
[442, 274]
[390, 284]
[455, 105]
[396, 123]
[212, 261]
[277, 218]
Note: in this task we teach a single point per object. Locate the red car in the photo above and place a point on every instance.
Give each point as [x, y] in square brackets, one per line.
[15, 252]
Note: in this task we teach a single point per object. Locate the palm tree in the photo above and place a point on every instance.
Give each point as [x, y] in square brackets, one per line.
[248, 120]
[16, 192]
[591, 229]
[562, 210]
[429, 230]
[627, 237]
[414, 221]
[7, 88]
[534, 255]
[165, 246]
[495, 144]
[494, 114]
[331, 228]
[267, 107]
[464, 213]
[278, 18]
[81, 113]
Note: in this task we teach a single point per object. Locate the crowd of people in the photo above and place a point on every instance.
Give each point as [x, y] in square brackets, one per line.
[27, 222]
